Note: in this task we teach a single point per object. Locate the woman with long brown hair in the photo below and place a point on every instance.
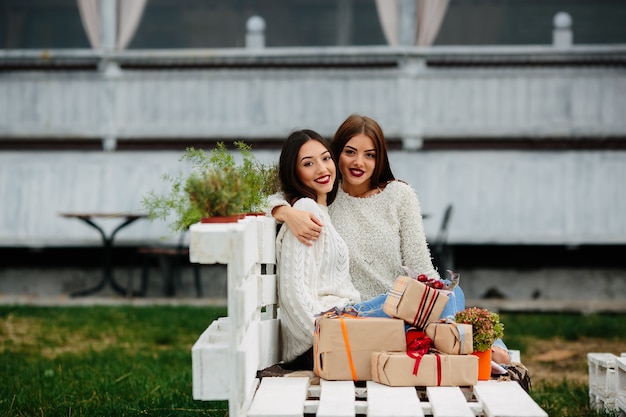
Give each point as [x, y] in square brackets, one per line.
[378, 216]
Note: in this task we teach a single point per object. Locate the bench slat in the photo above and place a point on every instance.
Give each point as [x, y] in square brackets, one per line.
[336, 399]
[268, 335]
[248, 293]
[448, 402]
[210, 363]
[279, 397]
[392, 401]
[620, 383]
[268, 292]
[506, 399]
[266, 235]
[247, 361]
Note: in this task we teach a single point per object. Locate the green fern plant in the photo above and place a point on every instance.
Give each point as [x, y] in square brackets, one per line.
[216, 186]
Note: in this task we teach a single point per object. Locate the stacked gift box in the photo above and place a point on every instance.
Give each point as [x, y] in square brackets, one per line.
[433, 352]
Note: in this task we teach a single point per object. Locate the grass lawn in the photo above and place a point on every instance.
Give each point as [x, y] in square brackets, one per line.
[136, 361]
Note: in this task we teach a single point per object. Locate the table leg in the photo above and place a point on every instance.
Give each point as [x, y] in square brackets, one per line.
[107, 267]
[114, 284]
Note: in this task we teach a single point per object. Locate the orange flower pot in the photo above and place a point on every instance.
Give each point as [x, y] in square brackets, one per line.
[223, 219]
[484, 364]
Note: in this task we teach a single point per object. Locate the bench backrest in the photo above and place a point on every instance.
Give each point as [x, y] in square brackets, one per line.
[248, 340]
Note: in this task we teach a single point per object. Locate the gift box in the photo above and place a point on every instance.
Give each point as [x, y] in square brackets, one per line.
[450, 337]
[344, 344]
[415, 303]
[399, 370]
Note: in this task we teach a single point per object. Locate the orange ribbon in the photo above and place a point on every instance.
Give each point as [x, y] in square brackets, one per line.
[344, 330]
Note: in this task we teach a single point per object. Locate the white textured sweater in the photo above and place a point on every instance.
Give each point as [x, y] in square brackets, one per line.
[311, 279]
[383, 232]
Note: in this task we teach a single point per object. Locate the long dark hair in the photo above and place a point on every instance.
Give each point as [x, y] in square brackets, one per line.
[354, 125]
[290, 183]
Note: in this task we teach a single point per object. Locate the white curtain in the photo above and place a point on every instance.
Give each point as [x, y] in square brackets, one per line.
[128, 16]
[430, 14]
[388, 17]
[90, 16]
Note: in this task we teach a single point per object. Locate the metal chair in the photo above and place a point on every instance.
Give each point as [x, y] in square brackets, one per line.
[441, 250]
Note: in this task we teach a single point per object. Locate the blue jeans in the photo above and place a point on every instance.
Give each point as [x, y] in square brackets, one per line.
[456, 303]
[372, 307]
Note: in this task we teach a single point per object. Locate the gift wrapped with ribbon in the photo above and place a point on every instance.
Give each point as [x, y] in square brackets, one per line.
[420, 368]
[450, 337]
[343, 344]
[396, 370]
[414, 302]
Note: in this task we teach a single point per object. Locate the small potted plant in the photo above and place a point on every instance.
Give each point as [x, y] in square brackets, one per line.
[486, 329]
[217, 188]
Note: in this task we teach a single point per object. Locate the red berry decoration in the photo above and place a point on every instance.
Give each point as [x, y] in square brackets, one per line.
[437, 285]
[422, 278]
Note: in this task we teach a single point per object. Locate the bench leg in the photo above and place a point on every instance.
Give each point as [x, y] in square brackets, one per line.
[130, 291]
[197, 281]
[145, 275]
[169, 279]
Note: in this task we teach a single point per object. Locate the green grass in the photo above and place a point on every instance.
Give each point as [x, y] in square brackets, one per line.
[520, 328]
[567, 399]
[564, 398]
[86, 361]
[136, 361]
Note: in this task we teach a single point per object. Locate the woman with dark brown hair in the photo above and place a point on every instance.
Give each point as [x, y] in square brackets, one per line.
[311, 278]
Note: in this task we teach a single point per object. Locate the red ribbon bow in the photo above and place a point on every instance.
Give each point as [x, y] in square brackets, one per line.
[417, 342]
[417, 345]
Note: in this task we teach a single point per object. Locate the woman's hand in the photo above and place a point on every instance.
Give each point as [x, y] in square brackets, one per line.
[304, 225]
[499, 355]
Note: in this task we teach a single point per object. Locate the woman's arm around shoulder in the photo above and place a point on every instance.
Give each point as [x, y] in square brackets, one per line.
[273, 202]
[304, 224]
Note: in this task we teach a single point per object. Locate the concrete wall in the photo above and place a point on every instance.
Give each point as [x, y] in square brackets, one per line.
[502, 197]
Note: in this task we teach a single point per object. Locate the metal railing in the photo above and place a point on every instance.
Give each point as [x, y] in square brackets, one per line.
[493, 92]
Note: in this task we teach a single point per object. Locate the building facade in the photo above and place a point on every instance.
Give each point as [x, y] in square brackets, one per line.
[523, 135]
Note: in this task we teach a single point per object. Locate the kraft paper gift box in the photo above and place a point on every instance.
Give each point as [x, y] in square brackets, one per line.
[396, 370]
[344, 344]
[415, 303]
[450, 337]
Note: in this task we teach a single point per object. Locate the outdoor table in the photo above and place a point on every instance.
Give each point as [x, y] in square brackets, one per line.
[107, 247]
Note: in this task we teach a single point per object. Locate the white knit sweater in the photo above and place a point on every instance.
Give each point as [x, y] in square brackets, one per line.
[311, 279]
[383, 232]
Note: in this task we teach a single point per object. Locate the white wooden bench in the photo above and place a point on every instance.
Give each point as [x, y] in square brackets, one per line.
[620, 398]
[226, 357]
[607, 381]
